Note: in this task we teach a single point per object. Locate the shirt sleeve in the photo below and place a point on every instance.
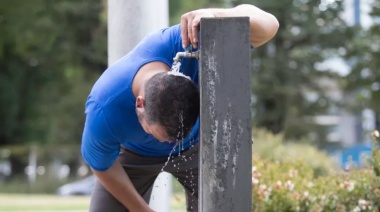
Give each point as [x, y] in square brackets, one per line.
[100, 147]
[161, 45]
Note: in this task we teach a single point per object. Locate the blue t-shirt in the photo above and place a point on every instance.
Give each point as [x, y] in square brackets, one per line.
[111, 119]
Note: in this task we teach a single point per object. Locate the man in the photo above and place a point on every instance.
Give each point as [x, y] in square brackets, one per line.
[141, 120]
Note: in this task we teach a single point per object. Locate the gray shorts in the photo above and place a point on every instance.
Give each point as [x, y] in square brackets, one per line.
[143, 171]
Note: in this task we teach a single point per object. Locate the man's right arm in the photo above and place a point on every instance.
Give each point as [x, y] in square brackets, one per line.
[117, 182]
[100, 149]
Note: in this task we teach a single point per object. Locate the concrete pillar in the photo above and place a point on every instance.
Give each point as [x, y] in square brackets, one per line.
[160, 200]
[226, 143]
[129, 21]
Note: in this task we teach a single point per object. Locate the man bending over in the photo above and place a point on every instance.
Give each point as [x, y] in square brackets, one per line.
[140, 120]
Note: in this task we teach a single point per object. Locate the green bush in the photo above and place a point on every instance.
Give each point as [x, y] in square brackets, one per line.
[283, 183]
[273, 148]
[42, 185]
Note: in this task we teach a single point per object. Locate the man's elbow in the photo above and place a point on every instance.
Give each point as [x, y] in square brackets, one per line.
[273, 26]
[268, 31]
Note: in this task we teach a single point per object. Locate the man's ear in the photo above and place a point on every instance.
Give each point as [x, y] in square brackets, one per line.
[140, 102]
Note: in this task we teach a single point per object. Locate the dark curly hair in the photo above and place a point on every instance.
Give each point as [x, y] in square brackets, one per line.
[173, 102]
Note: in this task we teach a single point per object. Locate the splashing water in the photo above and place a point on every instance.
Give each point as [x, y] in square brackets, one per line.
[175, 70]
[182, 126]
[181, 134]
[178, 74]
[180, 144]
[175, 67]
[170, 155]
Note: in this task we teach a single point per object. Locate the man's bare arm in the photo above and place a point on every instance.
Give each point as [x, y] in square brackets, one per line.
[117, 182]
[263, 25]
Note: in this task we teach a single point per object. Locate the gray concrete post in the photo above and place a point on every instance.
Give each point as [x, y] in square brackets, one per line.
[226, 145]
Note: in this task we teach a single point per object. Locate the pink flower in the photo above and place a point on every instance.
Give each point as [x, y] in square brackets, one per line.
[349, 185]
[289, 185]
[306, 195]
[255, 181]
[278, 185]
[363, 204]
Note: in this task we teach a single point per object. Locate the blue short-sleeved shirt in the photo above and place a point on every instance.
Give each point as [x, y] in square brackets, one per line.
[111, 119]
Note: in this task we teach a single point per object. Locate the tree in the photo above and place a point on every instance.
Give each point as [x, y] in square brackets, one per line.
[286, 79]
[285, 72]
[363, 82]
[180, 7]
[50, 54]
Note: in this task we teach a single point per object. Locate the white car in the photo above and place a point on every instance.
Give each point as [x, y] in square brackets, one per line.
[80, 187]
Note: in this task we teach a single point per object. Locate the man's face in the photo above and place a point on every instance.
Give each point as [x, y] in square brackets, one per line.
[155, 130]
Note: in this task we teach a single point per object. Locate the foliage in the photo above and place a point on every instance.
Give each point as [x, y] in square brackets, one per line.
[292, 186]
[43, 185]
[50, 53]
[286, 72]
[179, 7]
[275, 148]
[363, 82]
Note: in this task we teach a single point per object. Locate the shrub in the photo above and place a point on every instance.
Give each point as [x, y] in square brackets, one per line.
[273, 148]
[42, 184]
[291, 185]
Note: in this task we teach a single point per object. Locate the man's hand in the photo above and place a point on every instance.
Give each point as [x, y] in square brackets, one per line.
[117, 182]
[263, 25]
[190, 26]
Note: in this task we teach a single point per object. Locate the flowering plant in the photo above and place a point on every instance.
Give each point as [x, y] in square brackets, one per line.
[294, 186]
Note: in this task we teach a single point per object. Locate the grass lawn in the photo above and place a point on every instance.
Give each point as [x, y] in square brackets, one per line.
[38, 202]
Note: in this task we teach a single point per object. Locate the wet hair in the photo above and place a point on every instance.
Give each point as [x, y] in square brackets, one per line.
[172, 102]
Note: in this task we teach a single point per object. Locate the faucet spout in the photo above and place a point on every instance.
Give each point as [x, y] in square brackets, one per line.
[186, 54]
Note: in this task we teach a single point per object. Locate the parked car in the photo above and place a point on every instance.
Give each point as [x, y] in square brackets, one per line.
[80, 187]
[5, 169]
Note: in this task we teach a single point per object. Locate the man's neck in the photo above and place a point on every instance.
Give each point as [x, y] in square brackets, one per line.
[145, 73]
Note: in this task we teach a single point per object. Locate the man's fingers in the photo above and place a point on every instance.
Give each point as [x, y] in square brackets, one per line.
[190, 27]
[195, 28]
[184, 33]
[190, 30]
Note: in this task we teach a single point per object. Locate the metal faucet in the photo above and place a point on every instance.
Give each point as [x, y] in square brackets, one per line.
[187, 54]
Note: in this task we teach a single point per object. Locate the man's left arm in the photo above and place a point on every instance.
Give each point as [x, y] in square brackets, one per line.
[263, 25]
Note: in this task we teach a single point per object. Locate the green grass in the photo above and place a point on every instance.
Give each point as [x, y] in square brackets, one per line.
[44, 203]
[18, 195]
[38, 202]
